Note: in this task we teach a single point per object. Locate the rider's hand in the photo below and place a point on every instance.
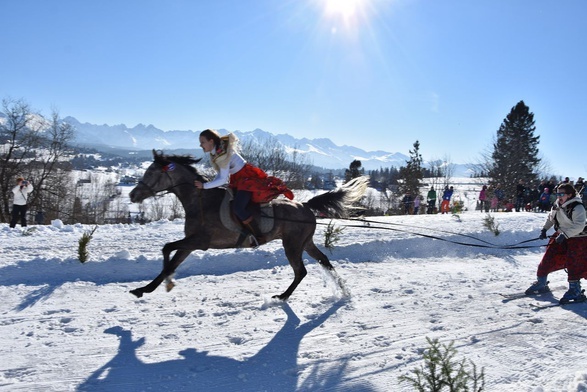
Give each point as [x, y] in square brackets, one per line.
[542, 234]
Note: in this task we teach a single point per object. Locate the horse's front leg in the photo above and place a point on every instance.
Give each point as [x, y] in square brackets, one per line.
[172, 264]
[183, 248]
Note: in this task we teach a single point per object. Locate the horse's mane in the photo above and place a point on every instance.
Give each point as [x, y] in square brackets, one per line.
[185, 160]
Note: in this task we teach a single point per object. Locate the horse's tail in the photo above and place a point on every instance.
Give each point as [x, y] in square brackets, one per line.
[338, 203]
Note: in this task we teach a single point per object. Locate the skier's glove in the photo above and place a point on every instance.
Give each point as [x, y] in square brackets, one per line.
[542, 234]
[561, 238]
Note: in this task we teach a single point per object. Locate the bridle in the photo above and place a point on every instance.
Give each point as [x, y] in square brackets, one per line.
[165, 169]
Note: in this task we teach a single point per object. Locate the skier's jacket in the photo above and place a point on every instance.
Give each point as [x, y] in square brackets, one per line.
[568, 218]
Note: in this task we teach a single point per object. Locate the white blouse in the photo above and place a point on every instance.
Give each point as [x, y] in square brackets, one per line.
[235, 164]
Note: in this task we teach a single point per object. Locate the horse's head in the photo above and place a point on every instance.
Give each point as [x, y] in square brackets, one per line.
[164, 174]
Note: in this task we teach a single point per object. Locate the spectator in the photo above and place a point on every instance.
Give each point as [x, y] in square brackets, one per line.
[544, 201]
[19, 207]
[416, 204]
[520, 195]
[500, 194]
[431, 199]
[581, 192]
[483, 199]
[446, 195]
[407, 200]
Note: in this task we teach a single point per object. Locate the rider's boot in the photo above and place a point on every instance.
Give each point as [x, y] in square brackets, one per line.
[252, 227]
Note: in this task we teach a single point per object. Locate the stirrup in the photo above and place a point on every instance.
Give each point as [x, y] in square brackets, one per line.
[253, 241]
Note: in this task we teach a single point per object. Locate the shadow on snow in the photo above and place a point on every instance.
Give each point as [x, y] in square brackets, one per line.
[273, 368]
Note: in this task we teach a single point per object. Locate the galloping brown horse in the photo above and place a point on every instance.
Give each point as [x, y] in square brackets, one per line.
[294, 222]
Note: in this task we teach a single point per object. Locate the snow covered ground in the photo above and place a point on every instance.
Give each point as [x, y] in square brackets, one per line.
[67, 326]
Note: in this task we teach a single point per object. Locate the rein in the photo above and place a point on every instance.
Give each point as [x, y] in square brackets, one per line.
[484, 244]
[166, 190]
[163, 192]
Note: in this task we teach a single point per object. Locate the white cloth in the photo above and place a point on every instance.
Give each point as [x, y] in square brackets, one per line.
[235, 164]
[572, 227]
[21, 194]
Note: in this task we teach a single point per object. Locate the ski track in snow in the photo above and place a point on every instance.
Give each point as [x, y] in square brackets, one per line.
[67, 326]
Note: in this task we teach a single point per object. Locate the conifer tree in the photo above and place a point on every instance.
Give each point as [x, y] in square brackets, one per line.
[353, 171]
[515, 151]
[411, 175]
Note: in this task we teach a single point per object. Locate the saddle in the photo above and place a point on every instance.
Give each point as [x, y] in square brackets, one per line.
[263, 214]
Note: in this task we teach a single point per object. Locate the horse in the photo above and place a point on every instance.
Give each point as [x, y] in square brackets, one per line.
[293, 222]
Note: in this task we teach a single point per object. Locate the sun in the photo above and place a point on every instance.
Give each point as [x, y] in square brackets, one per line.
[346, 9]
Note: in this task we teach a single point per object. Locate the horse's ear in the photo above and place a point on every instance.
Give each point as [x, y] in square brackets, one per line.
[158, 156]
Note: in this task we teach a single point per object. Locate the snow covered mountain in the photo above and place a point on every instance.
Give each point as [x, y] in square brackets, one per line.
[321, 152]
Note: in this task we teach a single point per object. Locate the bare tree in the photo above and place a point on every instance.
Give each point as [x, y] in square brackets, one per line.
[272, 157]
[18, 139]
[34, 148]
[49, 166]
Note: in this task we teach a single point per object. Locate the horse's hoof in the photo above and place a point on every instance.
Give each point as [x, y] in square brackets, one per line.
[169, 286]
[138, 293]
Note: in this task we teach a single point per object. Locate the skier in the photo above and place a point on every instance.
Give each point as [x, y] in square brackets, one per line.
[567, 248]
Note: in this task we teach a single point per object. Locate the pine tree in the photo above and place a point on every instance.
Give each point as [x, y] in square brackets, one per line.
[515, 151]
[353, 171]
[411, 175]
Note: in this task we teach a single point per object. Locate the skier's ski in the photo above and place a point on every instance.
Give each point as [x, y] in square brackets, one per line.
[579, 300]
[513, 296]
[554, 305]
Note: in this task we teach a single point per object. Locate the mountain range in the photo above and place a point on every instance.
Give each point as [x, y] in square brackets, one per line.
[320, 152]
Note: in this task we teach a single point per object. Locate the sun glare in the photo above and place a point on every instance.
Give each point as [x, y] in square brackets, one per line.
[346, 9]
[349, 15]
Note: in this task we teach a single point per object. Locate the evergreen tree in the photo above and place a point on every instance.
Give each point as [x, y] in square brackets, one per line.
[515, 151]
[411, 175]
[353, 171]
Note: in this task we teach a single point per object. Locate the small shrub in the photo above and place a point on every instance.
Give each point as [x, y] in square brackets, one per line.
[332, 235]
[441, 372]
[491, 225]
[29, 231]
[457, 206]
[82, 249]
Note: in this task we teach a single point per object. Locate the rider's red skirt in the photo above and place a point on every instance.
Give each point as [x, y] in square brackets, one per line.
[263, 187]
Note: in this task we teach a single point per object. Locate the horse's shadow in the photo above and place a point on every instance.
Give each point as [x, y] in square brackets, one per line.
[273, 368]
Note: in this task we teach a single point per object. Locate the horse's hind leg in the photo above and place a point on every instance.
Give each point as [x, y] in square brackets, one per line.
[293, 252]
[318, 255]
[322, 259]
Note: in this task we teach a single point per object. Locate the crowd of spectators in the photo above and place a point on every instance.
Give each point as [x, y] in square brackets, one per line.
[528, 197]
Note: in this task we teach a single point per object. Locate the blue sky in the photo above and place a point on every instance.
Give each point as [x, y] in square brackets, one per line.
[375, 74]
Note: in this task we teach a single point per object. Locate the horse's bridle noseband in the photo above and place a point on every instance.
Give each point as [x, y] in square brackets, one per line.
[165, 169]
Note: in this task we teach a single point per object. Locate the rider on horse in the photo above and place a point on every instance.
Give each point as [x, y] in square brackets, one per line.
[249, 183]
